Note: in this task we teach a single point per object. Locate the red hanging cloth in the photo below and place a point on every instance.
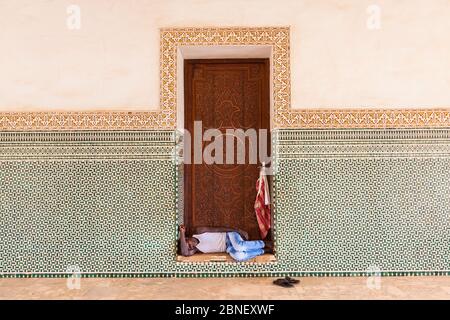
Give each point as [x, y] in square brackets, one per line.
[262, 204]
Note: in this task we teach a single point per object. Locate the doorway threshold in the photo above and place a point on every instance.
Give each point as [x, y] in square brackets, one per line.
[224, 257]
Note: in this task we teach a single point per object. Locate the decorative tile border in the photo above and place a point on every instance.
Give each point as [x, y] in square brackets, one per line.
[362, 143]
[79, 145]
[226, 275]
[89, 137]
[287, 136]
[33, 121]
[363, 118]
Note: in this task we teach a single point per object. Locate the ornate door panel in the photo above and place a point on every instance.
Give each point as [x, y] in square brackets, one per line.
[224, 94]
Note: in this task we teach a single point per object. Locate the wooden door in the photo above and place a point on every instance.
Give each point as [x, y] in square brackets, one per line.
[224, 94]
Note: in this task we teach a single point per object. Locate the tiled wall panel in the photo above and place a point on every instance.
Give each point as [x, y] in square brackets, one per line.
[348, 202]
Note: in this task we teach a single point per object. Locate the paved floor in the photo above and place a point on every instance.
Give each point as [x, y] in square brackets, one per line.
[228, 288]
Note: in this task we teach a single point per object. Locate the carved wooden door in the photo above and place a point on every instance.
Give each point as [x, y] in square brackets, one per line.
[224, 94]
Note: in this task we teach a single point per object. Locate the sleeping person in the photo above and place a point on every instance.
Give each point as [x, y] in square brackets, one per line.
[216, 239]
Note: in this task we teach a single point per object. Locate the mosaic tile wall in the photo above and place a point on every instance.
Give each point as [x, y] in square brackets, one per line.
[99, 202]
[348, 202]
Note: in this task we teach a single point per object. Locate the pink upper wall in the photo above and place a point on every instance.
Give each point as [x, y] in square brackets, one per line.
[112, 62]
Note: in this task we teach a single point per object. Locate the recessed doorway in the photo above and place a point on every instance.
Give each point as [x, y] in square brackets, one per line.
[224, 94]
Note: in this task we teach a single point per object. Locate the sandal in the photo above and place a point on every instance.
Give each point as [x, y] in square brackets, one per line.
[291, 280]
[283, 283]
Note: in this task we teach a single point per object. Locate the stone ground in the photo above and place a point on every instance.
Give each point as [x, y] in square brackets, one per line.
[227, 288]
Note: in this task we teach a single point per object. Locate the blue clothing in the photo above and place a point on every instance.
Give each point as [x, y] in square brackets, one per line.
[241, 250]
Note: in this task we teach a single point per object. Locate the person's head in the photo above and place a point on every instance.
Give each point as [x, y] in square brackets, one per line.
[192, 242]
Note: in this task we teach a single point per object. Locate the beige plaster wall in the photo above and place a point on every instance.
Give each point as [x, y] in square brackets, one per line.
[112, 62]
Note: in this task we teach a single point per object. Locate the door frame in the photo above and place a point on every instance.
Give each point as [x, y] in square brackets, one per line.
[188, 185]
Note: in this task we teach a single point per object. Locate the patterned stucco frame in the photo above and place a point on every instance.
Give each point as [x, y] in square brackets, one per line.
[283, 116]
[165, 117]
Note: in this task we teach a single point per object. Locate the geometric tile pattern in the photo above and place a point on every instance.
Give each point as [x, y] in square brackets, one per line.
[110, 210]
[90, 214]
[351, 214]
[96, 202]
[365, 199]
